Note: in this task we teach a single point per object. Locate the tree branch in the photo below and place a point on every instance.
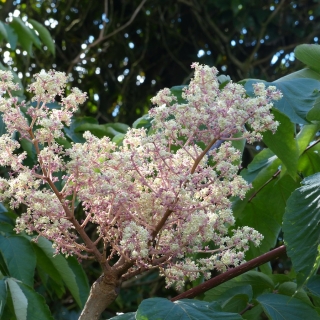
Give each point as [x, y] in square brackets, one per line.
[102, 38]
[230, 274]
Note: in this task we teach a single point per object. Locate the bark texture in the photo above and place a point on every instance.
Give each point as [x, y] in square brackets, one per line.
[102, 293]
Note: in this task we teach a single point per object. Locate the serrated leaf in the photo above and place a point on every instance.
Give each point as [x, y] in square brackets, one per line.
[37, 308]
[161, 308]
[309, 54]
[62, 267]
[301, 227]
[44, 35]
[283, 144]
[299, 97]
[280, 307]
[16, 249]
[19, 300]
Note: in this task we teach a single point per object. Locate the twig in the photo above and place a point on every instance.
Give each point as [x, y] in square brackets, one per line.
[230, 274]
[102, 38]
[256, 192]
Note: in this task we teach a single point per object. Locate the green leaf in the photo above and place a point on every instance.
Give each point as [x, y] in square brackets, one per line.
[101, 130]
[227, 290]
[258, 212]
[283, 144]
[29, 148]
[12, 36]
[236, 303]
[299, 96]
[44, 35]
[3, 31]
[3, 296]
[279, 307]
[222, 291]
[262, 160]
[290, 289]
[44, 262]
[26, 36]
[309, 54]
[62, 267]
[303, 73]
[118, 139]
[143, 122]
[76, 136]
[36, 304]
[19, 300]
[125, 316]
[19, 257]
[161, 308]
[301, 227]
[314, 113]
[177, 92]
[81, 279]
[254, 314]
[306, 135]
[313, 285]
[309, 163]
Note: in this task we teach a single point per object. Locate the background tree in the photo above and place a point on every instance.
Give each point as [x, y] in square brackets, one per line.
[123, 52]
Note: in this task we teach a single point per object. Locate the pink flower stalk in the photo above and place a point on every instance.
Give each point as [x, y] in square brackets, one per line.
[156, 200]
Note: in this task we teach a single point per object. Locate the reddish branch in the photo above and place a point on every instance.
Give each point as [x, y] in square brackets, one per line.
[232, 273]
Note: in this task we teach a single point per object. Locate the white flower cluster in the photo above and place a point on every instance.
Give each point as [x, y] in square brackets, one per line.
[158, 198]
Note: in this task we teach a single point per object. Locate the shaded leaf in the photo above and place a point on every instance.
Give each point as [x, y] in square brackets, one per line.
[44, 35]
[303, 73]
[177, 92]
[19, 300]
[37, 308]
[309, 54]
[12, 36]
[301, 227]
[299, 97]
[283, 144]
[3, 296]
[161, 308]
[19, 257]
[81, 279]
[279, 307]
[258, 212]
[62, 267]
[306, 135]
[125, 316]
[26, 36]
[143, 122]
